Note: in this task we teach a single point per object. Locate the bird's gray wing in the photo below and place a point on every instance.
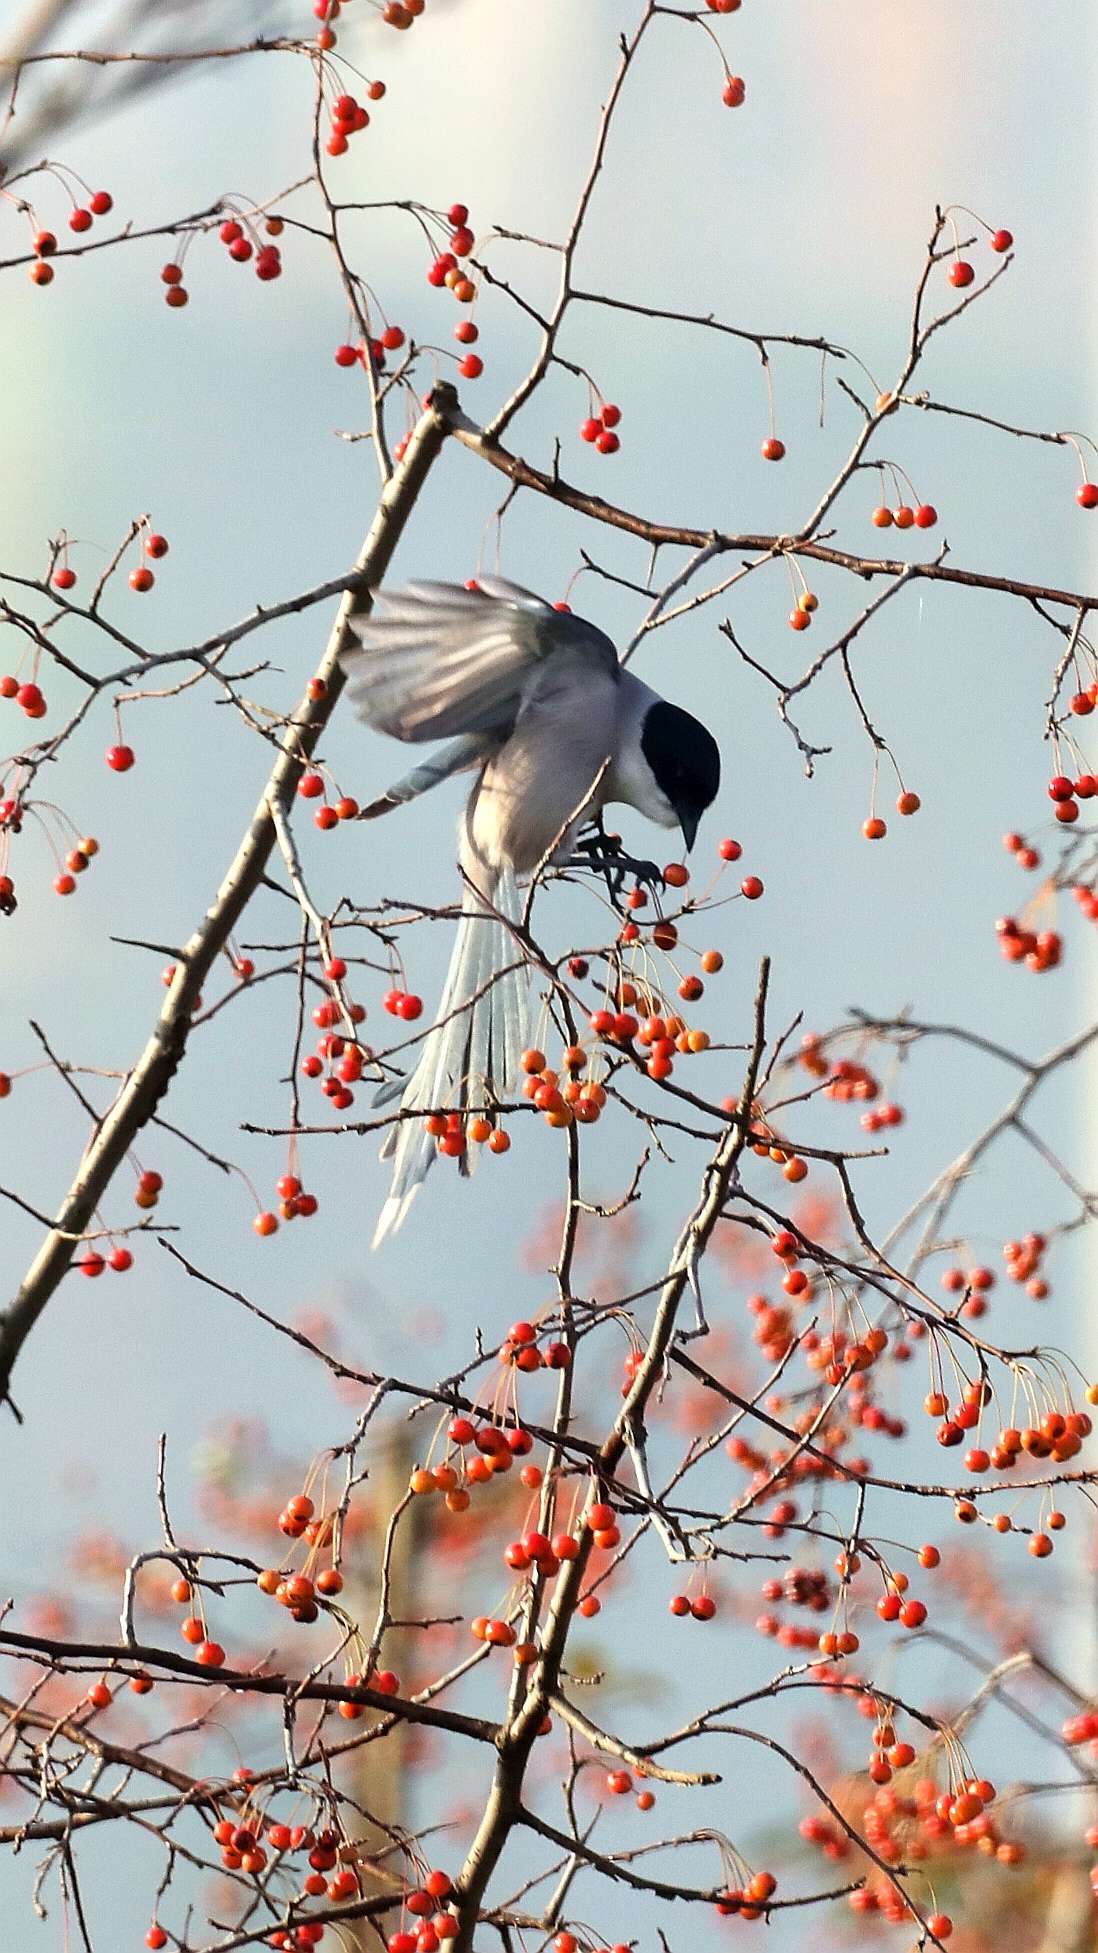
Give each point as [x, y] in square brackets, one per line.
[456, 757]
[436, 660]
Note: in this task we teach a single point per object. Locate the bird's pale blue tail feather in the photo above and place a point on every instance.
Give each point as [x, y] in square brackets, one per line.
[471, 1055]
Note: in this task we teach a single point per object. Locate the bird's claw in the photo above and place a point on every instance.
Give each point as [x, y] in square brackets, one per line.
[604, 855]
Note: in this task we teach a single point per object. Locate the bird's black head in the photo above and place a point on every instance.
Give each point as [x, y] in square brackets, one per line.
[685, 761]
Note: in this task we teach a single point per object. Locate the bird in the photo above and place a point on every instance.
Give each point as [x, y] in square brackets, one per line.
[536, 701]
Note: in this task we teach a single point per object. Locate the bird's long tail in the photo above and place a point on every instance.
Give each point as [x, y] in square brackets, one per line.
[471, 1056]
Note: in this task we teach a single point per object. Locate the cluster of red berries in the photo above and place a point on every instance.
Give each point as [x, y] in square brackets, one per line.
[1038, 950]
[961, 273]
[519, 1348]
[1066, 794]
[311, 787]
[748, 1901]
[349, 117]
[142, 578]
[80, 219]
[911, 1828]
[801, 1586]
[547, 1555]
[786, 1633]
[365, 353]
[240, 246]
[875, 828]
[771, 1478]
[28, 697]
[599, 429]
[210, 1654]
[453, 1132]
[767, 1146]
[148, 1190]
[495, 1449]
[888, 1754]
[437, 1926]
[892, 1605]
[346, 1057]
[924, 516]
[298, 1520]
[974, 1286]
[76, 861]
[773, 1331]
[447, 271]
[268, 258]
[700, 1607]
[382, 1680]
[293, 1204]
[1023, 1264]
[297, 1592]
[848, 1080]
[880, 1116]
[1024, 855]
[93, 1263]
[800, 617]
[401, 14]
[535, 1551]
[404, 1004]
[1059, 1435]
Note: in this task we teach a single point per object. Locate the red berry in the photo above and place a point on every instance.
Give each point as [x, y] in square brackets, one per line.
[1002, 240]
[772, 449]
[960, 273]
[734, 90]
[1087, 495]
[100, 203]
[141, 579]
[752, 887]
[120, 758]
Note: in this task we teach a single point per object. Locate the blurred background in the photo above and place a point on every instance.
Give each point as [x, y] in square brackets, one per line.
[807, 210]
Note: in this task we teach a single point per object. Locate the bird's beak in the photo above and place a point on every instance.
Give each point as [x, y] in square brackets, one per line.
[689, 824]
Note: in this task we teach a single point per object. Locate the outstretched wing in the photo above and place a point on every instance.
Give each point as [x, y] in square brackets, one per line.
[435, 660]
[457, 757]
